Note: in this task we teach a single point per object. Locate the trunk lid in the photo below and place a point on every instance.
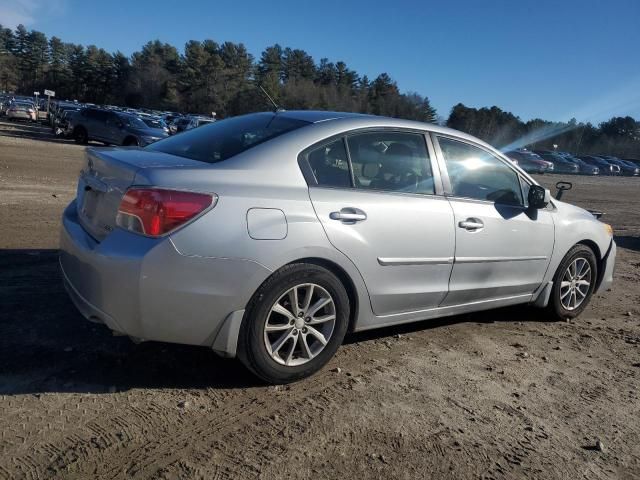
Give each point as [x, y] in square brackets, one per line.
[106, 176]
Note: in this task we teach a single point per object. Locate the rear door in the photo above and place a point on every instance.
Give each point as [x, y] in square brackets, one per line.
[503, 248]
[381, 205]
[113, 129]
[94, 122]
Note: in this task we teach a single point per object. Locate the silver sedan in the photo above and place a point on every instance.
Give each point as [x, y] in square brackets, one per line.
[269, 236]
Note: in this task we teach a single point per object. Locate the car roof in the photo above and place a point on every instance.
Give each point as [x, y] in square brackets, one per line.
[360, 120]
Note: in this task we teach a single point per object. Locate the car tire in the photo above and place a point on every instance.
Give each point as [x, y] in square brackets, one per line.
[569, 295]
[131, 142]
[80, 136]
[261, 347]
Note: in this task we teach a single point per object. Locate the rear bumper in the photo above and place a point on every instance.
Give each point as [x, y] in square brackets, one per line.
[21, 116]
[144, 288]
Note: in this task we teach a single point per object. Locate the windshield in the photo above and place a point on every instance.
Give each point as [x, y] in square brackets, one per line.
[154, 122]
[133, 122]
[225, 138]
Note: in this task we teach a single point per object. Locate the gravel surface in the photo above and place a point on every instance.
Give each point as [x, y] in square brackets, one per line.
[502, 394]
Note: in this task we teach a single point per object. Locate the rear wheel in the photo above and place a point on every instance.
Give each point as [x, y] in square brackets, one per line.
[573, 283]
[294, 324]
[80, 136]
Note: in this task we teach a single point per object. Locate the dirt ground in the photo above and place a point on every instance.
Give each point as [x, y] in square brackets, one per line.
[499, 395]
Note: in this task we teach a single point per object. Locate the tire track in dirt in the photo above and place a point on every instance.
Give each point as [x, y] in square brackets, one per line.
[233, 418]
[99, 443]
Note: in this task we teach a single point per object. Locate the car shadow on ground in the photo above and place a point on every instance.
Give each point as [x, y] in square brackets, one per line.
[630, 242]
[47, 346]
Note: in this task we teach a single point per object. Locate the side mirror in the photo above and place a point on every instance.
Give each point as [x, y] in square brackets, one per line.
[539, 197]
[562, 187]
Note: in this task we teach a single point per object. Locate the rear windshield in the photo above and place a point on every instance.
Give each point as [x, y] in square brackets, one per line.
[225, 138]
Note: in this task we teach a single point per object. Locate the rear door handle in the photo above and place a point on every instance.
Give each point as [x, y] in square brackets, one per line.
[471, 224]
[348, 215]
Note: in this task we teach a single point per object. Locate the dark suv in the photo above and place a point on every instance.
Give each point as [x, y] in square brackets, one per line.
[114, 128]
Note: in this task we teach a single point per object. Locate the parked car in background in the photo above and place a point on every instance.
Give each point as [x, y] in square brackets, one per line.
[19, 110]
[584, 167]
[628, 169]
[560, 164]
[112, 128]
[179, 125]
[530, 162]
[58, 117]
[198, 121]
[269, 236]
[154, 122]
[606, 168]
[64, 121]
[4, 105]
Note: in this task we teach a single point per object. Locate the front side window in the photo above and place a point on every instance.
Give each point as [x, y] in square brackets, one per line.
[475, 173]
[391, 161]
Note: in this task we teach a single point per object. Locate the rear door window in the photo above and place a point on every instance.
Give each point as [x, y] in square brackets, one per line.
[391, 161]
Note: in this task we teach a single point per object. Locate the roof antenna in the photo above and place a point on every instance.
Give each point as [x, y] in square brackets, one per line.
[276, 107]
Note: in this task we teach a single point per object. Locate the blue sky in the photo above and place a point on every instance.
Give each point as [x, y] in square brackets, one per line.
[535, 58]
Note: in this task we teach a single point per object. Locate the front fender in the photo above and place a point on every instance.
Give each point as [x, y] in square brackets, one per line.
[575, 225]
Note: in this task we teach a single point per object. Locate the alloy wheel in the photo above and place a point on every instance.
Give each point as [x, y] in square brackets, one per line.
[300, 324]
[575, 283]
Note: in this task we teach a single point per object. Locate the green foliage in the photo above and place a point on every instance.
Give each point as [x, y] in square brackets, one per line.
[207, 77]
[223, 78]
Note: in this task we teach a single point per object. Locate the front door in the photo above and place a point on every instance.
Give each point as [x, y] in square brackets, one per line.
[379, 207]
[503, 248]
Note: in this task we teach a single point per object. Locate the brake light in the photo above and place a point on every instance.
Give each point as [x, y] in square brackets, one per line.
[156, 211]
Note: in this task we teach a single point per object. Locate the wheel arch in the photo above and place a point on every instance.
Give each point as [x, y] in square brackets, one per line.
[593, 246]
[344, 278]
[130, 140]
[601, 258]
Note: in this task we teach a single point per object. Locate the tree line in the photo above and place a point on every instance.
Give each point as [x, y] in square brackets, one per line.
[223, 78]
[618, 136]
[206, 77]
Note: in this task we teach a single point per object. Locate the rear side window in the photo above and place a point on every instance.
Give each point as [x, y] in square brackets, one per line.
[98, 115]
[475, 173]
[330, 165]
[225, 138]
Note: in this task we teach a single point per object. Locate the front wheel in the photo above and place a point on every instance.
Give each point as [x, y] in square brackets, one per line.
[574, 283]
[294, 324]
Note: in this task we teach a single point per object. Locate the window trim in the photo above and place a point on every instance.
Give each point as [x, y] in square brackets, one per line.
[445, 173]
[307, 172]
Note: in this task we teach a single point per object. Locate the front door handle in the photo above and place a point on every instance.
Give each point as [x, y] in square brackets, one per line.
[471, 224]
[348, 215]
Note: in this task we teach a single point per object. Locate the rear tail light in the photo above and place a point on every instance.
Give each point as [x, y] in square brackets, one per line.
[155, 211]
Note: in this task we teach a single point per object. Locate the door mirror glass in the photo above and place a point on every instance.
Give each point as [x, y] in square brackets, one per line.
[538, 197]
